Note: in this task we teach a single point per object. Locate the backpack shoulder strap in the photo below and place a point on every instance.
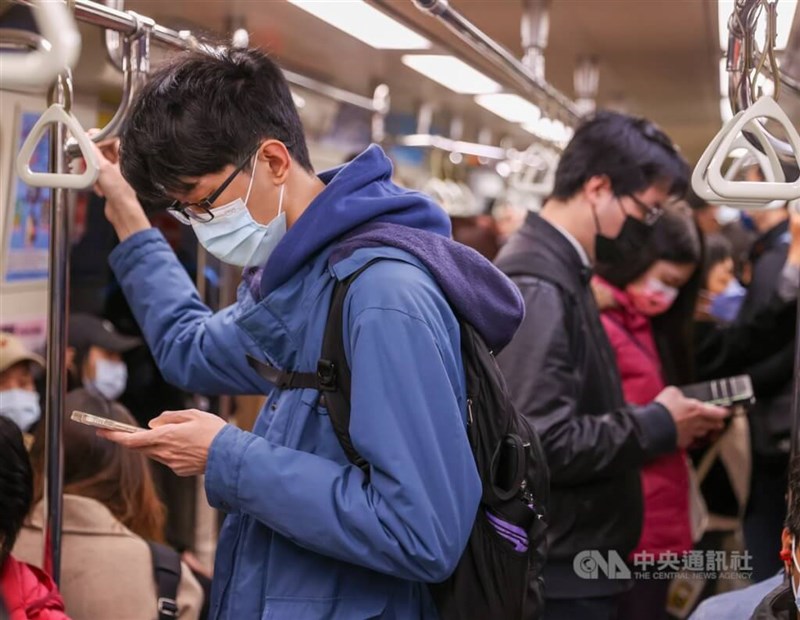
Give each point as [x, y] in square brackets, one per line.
[333, 362]
[167, 575]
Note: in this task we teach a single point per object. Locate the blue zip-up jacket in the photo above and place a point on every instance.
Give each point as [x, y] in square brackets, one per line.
[307, 535]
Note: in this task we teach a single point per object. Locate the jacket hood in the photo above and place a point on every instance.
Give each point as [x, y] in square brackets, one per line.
[356, 193]
[478, 292]
[361, 207]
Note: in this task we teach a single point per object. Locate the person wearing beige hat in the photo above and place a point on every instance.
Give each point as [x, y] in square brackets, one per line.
[19, 400]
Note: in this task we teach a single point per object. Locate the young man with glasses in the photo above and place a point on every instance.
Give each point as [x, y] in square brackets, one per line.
[308, 534]
[611, 184]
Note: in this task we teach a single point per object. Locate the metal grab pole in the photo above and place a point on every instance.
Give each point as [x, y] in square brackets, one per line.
[495, 53]
[58, 293]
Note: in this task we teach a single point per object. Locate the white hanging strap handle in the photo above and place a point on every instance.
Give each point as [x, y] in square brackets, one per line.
[768, 161]
[700, 173]
[544, 186]
[765, 107]
[57, 114]
[38, 69]
[769, 165]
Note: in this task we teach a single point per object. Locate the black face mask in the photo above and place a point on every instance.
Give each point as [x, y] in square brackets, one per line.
[629, 242]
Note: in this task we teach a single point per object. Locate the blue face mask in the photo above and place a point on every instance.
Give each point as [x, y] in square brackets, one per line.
[110, 379]
[234, 237]
[747, 222]
[725, 306]
[21, 407]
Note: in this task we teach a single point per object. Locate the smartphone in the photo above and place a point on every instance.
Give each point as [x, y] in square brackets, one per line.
[97, 421]
[727, 392]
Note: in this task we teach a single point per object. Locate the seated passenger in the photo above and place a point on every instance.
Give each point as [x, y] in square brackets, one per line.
[776, 598]
[19, 400]
[111, 512]
[95, 356]
[26, 593]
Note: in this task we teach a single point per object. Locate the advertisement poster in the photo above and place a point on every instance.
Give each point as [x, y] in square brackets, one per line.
[28, 228]
[32, 332]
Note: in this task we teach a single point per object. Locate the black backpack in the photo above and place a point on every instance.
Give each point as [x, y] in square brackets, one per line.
[492, 580]
[167, 575]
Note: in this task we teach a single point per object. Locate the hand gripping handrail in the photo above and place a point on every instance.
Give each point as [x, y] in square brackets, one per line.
[135, 68]
[38, 69]
[58, 113]
[765, 107]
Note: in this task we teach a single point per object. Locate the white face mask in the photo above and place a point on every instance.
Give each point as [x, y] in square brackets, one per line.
[110, 379]
[234, 237]
[21, 407]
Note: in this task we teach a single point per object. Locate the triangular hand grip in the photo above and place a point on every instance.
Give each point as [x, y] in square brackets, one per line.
[700, 173]
[38, 69]
[700, 183]
[527, 182]
[768, 161]
[769, 164]
[766, 191]
[56, 114]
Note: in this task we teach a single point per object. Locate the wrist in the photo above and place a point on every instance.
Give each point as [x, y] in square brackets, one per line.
[127, 219]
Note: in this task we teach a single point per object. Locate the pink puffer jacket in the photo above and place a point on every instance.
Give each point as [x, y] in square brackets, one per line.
[665, 481]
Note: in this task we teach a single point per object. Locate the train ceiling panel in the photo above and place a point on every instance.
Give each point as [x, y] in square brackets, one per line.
[658, 58]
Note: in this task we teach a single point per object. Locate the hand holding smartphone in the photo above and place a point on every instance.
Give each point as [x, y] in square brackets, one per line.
[110, 425]
[728, 392]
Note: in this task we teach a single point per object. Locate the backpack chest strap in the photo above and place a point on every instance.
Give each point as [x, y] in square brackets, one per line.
[323, 380]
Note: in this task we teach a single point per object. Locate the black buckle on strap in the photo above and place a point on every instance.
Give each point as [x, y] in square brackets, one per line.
[326, 376]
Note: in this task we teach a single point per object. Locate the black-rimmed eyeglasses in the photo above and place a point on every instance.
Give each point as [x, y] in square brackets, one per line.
[186, 212]
[651, 213]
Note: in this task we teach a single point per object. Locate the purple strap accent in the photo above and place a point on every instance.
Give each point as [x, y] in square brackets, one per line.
[512, 533]
[252, 277]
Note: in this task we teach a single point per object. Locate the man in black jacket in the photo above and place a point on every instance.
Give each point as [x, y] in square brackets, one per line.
[770, 417]
[611, 184]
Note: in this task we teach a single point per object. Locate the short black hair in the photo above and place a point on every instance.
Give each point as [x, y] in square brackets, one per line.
[718, 249]
[16, 484]
[793, 499]
[632, 152]
[202, 112]
[694, 201]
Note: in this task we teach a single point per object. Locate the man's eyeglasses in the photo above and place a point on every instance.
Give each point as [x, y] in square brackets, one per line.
[186, 212]
[651, 213]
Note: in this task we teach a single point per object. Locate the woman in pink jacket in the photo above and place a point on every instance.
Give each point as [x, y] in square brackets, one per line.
[647, 310]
